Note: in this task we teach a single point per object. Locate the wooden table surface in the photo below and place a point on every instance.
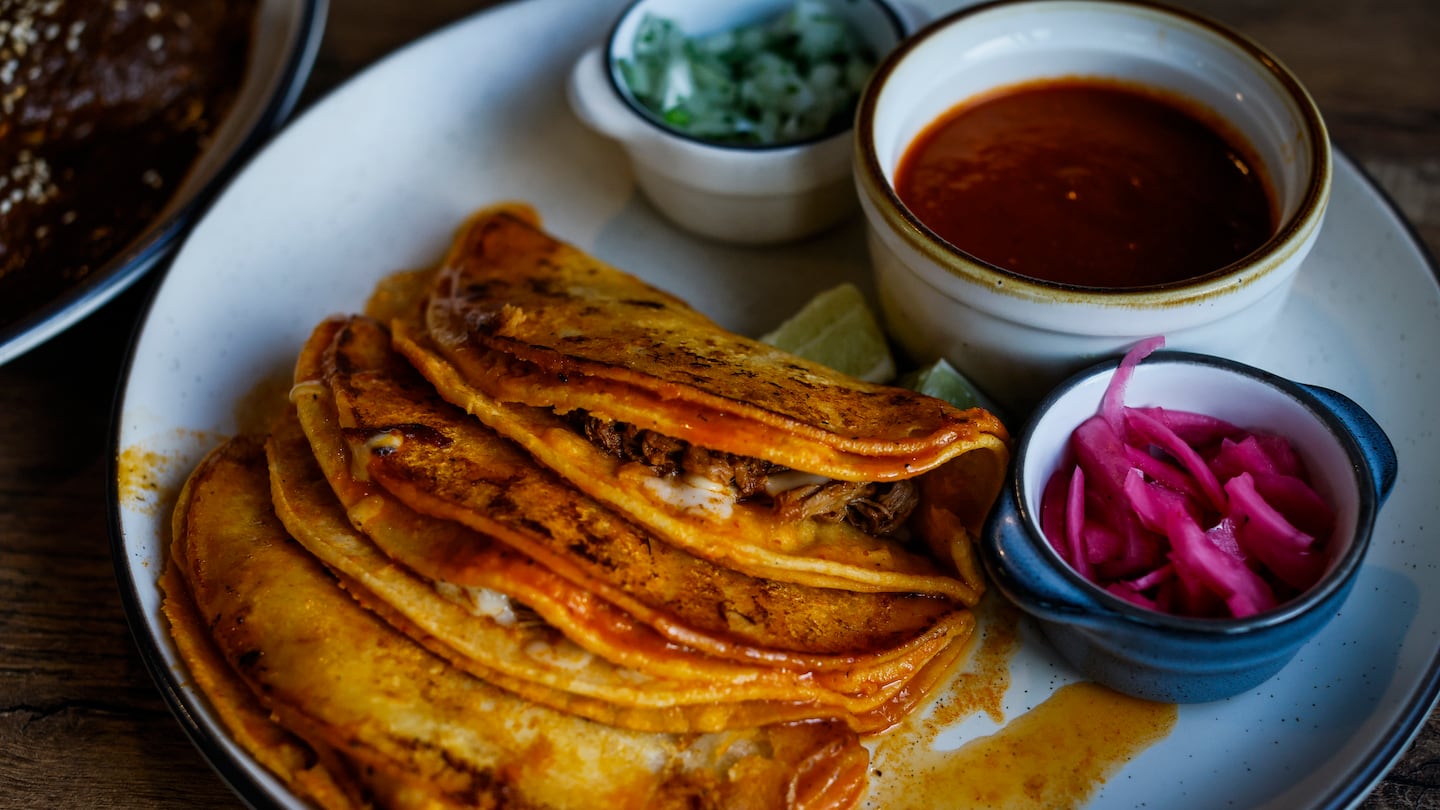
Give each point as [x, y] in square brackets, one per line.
[82, 725]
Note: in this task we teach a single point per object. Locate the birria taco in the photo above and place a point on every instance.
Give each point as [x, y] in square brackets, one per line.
[534, 587]
[732, 449]
[351, 713]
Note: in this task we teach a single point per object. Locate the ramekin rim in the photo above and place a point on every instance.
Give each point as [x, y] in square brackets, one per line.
[870, 176]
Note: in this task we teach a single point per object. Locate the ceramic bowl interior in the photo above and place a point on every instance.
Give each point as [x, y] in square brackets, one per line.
[1248, 398]
[875, 22]
[743, 194]
[995, 46]
[1016, 336]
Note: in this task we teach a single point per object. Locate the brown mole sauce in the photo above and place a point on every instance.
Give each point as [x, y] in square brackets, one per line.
[1087, 182]
[104, 109]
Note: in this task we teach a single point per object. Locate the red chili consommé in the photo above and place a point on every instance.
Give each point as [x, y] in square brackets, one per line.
[1088, 182]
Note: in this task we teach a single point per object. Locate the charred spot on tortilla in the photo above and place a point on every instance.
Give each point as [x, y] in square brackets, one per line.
[250, 659]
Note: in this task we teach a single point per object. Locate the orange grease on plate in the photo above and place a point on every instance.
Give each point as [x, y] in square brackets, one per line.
[1054, 756]
[147, 480]
[981, 687]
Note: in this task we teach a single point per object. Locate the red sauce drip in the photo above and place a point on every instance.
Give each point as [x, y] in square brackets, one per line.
[1089, 183]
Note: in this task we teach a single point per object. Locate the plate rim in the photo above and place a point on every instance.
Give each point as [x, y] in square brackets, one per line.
[1423, 701]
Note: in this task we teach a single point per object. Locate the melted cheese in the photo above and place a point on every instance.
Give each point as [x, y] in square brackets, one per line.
[563, 654]
[786, 481]
[698, 494]
[482, 602]
[381, 442]
[308, 388]
[693, 493]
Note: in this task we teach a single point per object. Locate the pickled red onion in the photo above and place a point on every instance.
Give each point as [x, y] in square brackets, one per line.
[1183, 512]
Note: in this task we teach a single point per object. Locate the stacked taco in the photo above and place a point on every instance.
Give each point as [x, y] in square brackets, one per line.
[533, 532]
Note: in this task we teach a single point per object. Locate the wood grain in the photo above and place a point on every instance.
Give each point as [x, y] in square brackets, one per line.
[81, 722]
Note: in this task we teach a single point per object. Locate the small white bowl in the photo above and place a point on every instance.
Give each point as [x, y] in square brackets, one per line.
[1015, 336]
[743, 194]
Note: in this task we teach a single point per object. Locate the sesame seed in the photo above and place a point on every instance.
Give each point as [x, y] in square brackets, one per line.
[31, 176]
[8, 100]
[32, 35]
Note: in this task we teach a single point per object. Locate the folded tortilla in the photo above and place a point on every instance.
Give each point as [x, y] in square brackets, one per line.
[334, 675]
[411, 446]
[732, 449]
[310, 771]
[392, 602]
[513, 621]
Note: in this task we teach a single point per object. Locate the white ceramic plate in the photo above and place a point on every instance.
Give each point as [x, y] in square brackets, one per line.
[287, 35]
[375, 178]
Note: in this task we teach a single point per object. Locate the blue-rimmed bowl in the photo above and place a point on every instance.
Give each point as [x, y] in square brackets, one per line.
[1164, 657]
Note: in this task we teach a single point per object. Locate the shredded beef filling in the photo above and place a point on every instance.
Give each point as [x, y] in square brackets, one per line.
[877, 508]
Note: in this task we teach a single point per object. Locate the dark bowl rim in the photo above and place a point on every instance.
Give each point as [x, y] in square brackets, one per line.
[160, 239]
[921, 237]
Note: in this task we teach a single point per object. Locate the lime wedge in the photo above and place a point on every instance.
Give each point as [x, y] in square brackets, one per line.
[836, 328]
[940, 379]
